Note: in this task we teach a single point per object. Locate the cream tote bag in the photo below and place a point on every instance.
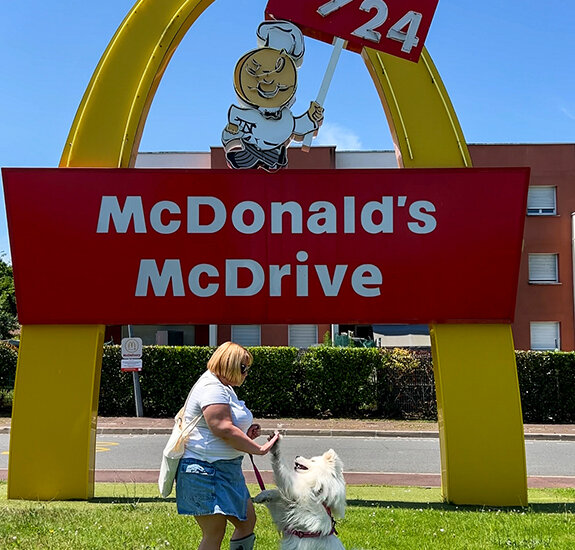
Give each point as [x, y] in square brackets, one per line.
[174, 450]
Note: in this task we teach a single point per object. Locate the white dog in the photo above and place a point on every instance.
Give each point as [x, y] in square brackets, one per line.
[308, 496]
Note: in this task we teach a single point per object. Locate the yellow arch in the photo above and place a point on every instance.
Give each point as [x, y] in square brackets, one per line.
[478, 401]
[63, 387]
[109, 123]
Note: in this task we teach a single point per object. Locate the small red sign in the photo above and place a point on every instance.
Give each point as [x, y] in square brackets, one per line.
[397, 27]
[135, 246]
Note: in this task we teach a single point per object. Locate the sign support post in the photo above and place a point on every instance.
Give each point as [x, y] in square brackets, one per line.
[138, 394]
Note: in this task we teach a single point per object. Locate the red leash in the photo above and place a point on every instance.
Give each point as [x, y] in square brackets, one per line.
[256, 471]
[258, 475]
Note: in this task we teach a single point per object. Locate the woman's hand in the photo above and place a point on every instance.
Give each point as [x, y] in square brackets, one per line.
[266, 447]
[219, 419]
[255, 430]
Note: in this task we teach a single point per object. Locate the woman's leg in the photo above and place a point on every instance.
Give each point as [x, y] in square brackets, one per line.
[213, 530]
[245, 528]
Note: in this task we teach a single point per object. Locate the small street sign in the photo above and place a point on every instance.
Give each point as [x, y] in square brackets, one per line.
[131, 365]
[131, 348]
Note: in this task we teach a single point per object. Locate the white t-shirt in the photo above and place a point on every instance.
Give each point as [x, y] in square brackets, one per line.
[203, 444]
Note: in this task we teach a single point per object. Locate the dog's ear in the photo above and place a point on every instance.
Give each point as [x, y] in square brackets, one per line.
[330, 456]
[333, 460]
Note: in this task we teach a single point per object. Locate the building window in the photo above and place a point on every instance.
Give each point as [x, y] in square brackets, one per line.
[541, 201]
[302, 336]
[543, 268]
[545, 336]
[170, 338]
[247, 335]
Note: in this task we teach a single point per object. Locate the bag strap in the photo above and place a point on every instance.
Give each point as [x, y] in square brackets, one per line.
[187, 429]
[190, 394]
[182, 413]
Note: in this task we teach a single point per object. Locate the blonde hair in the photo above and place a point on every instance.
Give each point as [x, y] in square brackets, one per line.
[227, 360]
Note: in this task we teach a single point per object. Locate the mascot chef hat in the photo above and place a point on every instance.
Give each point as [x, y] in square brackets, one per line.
[282, 35]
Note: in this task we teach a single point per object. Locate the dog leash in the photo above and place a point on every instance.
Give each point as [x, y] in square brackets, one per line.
[258, 475]
[257, 472]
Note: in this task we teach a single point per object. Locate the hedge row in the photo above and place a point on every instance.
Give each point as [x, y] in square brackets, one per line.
[320, 382]
[331, 382]
[284, 381]
[547, 382]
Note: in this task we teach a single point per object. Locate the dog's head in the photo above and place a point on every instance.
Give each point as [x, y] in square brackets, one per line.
[321, 477]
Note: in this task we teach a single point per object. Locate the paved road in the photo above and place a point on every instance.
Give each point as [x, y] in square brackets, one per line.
[359, 454]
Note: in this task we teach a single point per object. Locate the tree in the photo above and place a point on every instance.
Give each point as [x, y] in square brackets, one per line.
[8, 311]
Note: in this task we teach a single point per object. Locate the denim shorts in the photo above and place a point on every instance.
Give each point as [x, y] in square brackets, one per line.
[207, 488]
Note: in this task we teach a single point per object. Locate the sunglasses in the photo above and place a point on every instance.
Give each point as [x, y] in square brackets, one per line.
[244, 369]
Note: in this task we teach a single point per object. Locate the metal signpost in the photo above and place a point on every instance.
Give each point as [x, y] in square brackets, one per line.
[132, 362]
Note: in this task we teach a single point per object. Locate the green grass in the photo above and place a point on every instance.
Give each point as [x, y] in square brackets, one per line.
[131, 517]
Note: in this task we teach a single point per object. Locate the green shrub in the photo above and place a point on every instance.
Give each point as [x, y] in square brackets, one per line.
[6, 399]
[8, 360]
[272, 387]
[283, 382]
[547, 384]
[338, 381]
[116, 390]
[405, 385]
[167, 375]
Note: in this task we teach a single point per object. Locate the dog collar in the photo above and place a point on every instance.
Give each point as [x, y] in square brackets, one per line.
[313, 534]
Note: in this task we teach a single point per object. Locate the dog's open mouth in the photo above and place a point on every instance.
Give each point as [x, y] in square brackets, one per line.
[299, 466]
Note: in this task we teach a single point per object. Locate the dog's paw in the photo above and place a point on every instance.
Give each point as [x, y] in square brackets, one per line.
[265, 496]
[275, 450]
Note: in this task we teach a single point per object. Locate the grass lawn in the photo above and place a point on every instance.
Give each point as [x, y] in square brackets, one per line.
[131, 517]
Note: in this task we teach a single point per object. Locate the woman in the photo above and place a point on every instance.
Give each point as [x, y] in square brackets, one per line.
[210, 484]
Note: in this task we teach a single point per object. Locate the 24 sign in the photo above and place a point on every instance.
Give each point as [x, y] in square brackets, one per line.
[392, 26]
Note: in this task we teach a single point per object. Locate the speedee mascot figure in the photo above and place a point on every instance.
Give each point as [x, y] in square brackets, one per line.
[262, 126]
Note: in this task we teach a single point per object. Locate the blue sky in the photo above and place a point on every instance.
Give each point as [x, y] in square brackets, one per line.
[507, 66]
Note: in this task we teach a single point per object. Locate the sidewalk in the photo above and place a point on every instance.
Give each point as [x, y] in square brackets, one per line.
[327, 428]
[332, 427]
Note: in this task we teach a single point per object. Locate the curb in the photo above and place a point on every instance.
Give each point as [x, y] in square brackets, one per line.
[320, 433]
[352, 478]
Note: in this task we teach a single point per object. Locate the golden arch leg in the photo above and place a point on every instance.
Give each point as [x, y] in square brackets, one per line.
[480, 428]
[52, 443]
[53, 433]
[479, 410]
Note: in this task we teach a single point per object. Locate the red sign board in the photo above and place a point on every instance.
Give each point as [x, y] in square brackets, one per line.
[134, 246]
[397, 27]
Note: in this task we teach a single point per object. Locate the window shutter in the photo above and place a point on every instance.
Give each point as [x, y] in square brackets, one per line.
[302, 336]
[247, 335]
[543, 268]
[541, 201]
[545, 336]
